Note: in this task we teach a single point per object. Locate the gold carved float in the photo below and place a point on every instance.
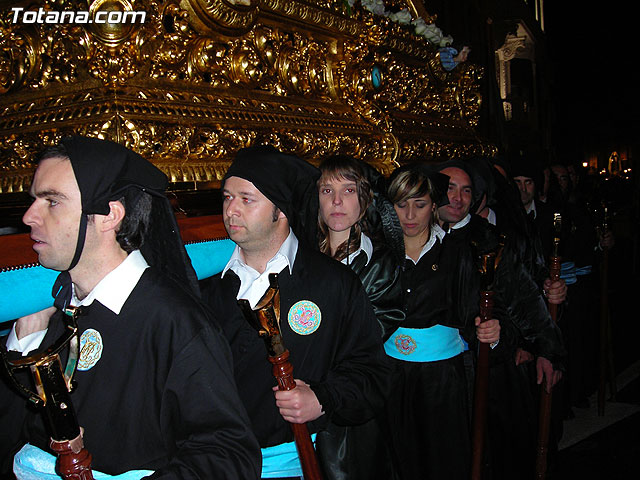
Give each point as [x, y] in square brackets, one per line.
[199, 79]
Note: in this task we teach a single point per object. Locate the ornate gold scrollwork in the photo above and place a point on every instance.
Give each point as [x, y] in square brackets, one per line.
[112, 35]
[19, 56]
[199, 79]
[229, 17]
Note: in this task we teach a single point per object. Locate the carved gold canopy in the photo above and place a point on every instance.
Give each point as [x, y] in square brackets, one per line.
[199, 79]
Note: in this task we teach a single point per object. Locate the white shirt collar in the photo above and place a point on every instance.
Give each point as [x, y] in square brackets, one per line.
[114, 289]
[253, 284]
[437, 234]
[532, 208]
[491, 217]
[365, 246]
[461, 223]
[287, 251]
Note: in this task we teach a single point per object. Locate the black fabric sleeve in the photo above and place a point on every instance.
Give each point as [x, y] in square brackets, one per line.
[202, 419]
[520, 295]
[382, 283]
[355, 388]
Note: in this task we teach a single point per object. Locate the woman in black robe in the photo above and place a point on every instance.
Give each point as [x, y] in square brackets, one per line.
[427, 408]
[350, 209]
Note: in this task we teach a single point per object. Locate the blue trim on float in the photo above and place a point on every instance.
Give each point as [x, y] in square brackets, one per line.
[209, 258]
[31, 463]
[27, 290]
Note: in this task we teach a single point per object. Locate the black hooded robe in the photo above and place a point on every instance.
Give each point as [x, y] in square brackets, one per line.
[343, 360]
[161, 396]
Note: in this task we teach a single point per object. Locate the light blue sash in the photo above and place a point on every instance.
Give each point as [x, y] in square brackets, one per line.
[586, 270]
[31, 463]
[568, 273]
[282, 461]
[424, 344]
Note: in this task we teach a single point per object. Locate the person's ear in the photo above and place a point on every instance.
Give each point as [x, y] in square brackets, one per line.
[112, 220]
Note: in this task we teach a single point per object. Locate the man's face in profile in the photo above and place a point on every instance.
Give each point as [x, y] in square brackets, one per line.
[247, 214]
[54, 215]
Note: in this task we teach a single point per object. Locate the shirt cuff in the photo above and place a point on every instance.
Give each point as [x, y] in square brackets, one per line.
[25, 344]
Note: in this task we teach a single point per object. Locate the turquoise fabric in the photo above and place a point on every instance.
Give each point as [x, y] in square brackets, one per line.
[424, 344]
[28, 290]
[31, 463]
[209, 258]
[568, 273]
[586, 270]
[25, 291]
[282, 461]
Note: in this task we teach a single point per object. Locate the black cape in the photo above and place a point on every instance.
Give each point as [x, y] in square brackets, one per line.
[162, 395]
[343, 360]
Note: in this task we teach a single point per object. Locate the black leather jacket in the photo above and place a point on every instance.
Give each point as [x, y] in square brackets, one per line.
[518, 301]
[380, 277]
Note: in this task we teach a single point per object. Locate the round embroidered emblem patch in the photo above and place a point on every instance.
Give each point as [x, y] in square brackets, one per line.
[405, 344]
[90, 349]
[304, 317]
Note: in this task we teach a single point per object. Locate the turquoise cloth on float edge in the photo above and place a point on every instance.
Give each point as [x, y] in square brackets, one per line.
[282, 461]
[32, 463]
[28, 290]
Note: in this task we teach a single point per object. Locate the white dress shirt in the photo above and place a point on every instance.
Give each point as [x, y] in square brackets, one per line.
[112, 292]
[365, 246]
[437, 233]
[461, 223]
[253, 284]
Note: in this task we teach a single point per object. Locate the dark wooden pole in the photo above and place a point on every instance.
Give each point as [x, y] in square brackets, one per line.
[606, 351]
[604, 313]
[283, 371]
[53, 397]
[265, 319]
[544, 416]
[74, 461]
[481, 391]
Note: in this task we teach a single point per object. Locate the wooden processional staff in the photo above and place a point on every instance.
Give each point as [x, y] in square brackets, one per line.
[53, 386]
[544, 416]
[488, 264]
[265, 319]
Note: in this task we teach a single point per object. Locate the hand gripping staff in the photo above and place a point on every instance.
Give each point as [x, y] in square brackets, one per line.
[544, 416]
[488, 263]
[265, 319]
[53, 386]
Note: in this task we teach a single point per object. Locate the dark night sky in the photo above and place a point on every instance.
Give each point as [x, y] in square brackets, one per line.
[595, 56]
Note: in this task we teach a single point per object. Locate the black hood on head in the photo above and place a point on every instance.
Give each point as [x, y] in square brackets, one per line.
[381, 216]
[287, 181]
[526, 165]
[105, 171]
[478, 184]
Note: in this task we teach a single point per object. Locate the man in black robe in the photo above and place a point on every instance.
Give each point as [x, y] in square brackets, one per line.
[155, 389]
[326, 319]
[516, 292]
[512, 421]
[528, 177]
[519, 305]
